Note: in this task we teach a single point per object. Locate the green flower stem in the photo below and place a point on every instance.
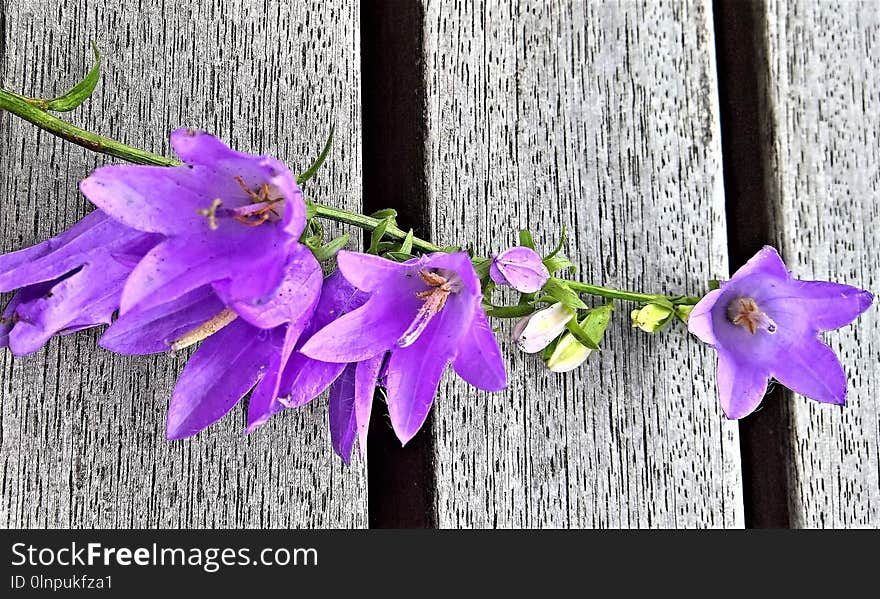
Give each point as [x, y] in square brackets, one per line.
[630, 296]
[369, 223]
[29, 110]
[21, 107]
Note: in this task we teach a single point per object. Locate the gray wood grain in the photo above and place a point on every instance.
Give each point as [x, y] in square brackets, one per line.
[82, 431]
[578, 114]
[822, 103]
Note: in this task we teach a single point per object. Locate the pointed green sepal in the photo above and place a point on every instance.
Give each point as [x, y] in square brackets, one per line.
[79, 93]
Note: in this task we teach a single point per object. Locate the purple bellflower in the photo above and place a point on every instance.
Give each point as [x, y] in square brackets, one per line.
[68, 283]
[521, 268]
[426, 314]
[228, 269]
[764, 323]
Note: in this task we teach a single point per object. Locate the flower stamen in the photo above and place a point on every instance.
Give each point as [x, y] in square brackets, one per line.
[435, 299]
[744, 312]
[204, 330]
[211, 213]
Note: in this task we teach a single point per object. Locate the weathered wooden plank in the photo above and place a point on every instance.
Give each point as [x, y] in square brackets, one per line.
[577, 114]
[822, 103]
[82, 430]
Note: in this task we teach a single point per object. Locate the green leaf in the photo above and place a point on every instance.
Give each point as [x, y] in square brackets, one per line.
[406, 246]
[329, 249]
[575, 329]
[450, 249]
[378, 234]
[386, 213]
[714, 284]
[399, 256]
[310, 172]
[555, 264]
[596, 322]
[551, 347]
[525, 238]
[80, 92]
[481, 265]
[558, 290]
[508, 311]
[558, 247]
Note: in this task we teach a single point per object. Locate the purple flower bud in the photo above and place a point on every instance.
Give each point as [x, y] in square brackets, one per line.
[521, 268]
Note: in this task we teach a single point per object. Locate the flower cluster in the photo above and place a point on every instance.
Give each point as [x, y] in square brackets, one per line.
[224, 250]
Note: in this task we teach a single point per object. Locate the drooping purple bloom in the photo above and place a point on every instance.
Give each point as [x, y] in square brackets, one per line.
[70, 282]
[521, 268]
[229, 270]
[426, 313]
[229, 220]
[764, 323]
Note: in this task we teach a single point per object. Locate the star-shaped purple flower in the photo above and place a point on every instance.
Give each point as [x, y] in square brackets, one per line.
[764, 324]
[426, 313]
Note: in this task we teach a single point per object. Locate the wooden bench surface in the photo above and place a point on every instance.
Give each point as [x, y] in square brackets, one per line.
[599, 116]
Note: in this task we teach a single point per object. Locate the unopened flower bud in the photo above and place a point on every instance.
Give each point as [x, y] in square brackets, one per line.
[683, 311]
[543, 327]
[652, 317]
[521, 268]
[568, 354]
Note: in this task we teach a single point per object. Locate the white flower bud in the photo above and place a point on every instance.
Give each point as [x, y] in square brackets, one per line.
[543, 327]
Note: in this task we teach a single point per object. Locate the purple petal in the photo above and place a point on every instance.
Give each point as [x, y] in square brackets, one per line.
[828, 306]
[365, 332]
[155, 199]
[152, 331]
[461, 263]
[264, 400]
[765, 262]
[221, 164]
[701, 321]
[521, 268]
[812, 369]
[171, 269]
[295, 296]
[87, 298]
[343, 425]
[96, 234]
[741, 387]
[414, 372]
[366, 377]
[479, 360]
[223, 369]
[367, 272]
[305, 379]
[24, 295]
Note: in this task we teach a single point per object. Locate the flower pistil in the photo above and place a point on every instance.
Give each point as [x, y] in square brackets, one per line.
[744, 312]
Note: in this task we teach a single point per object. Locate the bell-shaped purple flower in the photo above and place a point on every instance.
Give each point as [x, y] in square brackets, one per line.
[70, 282]
[229, 220]
[764, 324]
[229, 271]
[521, 268]
[426, 313]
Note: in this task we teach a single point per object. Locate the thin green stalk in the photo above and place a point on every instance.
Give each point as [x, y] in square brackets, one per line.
[369, 223]
[631, 296]
[27, 110]
[22, 108]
